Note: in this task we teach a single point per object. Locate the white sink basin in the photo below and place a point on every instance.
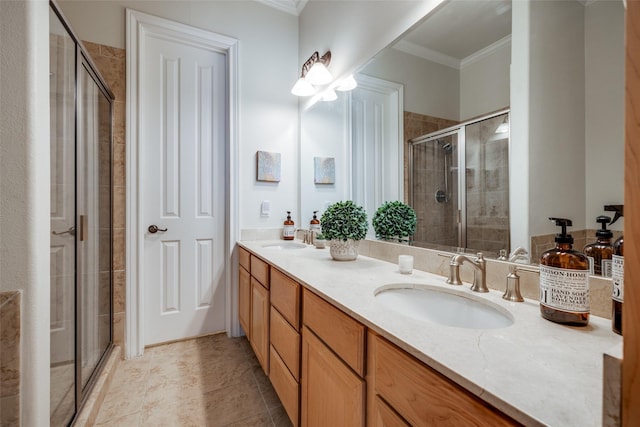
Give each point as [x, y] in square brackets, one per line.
[285, 245]
[445, 307]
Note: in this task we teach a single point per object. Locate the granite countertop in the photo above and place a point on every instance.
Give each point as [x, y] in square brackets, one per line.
[536, 371]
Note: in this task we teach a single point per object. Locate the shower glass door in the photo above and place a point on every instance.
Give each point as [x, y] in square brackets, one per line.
[80, 241]
[93, 153]
[434, 190]
[62, 63]
[460, 186]
[487, 184]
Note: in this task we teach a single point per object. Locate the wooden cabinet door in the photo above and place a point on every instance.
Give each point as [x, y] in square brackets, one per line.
[260, 323]
[244, 301]
[384, 416]
[332, 394]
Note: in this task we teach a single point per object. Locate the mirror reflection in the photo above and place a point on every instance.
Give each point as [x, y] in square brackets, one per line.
[463, 62]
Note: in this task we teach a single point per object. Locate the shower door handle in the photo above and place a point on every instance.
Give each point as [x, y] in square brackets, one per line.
[71, 231]
[154, 229]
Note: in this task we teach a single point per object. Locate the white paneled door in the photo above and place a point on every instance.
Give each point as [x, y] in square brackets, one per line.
[182, 131]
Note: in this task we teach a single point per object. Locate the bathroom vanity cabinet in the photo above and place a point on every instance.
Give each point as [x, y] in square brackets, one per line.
[333, 387]
[402, 391]
[336, 357]
[315, 357]
[284, 370]
[253, 304]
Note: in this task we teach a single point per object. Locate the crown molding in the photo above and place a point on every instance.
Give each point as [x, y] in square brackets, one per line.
[484, 52]
[293, 7]
[446, 60]
[426, 53]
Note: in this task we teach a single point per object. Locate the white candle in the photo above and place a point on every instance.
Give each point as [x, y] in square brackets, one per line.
[405, 264]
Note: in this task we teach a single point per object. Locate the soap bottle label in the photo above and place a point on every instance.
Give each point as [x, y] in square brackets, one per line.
[605, 266]
[617, 276]
[564, 289]
[289, 231]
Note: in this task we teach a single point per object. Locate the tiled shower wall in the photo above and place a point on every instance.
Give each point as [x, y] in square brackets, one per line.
[433, 223]
[487, 197]
[111, 64]
[10, 358]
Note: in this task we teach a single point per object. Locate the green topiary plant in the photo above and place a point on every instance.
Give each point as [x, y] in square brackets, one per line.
[394, 220]
[344, 220]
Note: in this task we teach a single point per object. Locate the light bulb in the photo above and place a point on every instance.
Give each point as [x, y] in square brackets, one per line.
[318, 74]
[349, 83]
[303, 88]
[329, 95]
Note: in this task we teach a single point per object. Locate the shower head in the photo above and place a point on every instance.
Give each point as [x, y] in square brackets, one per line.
[447, 147]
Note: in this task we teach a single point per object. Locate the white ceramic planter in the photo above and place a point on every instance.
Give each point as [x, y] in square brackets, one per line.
[344, 251]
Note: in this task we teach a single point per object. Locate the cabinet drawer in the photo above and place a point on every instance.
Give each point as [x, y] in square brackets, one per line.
[285, 386]
[424, 397]
[244, 258]
[286, 341]
[285, 296]
[260, 270]
[340, 332]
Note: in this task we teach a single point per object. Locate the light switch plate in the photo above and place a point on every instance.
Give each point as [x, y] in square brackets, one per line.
[265, 208]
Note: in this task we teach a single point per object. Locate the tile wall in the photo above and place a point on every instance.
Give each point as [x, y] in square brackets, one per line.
[441, 219]
[111, 64]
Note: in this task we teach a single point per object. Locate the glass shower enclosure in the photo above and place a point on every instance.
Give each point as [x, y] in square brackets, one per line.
[80, 240]
[459, 185]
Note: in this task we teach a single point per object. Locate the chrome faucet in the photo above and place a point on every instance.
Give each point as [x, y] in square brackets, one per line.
[308, 236]
[479, 273]
[519, 253]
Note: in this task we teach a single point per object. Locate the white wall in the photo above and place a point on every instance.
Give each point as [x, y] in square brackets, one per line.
[325, 133]
[24, 190]
[354, 30]
[604, 116]
[484, 83]
[429, 88]
[268, 66]
[556, 115]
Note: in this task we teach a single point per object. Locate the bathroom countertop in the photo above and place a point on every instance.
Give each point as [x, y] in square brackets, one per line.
[536, 371]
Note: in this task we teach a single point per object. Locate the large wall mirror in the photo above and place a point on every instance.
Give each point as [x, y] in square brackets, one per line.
[553, 71]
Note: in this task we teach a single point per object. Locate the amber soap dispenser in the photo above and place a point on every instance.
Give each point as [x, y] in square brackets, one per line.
[289, 231]
[600, 252]
[564, 281]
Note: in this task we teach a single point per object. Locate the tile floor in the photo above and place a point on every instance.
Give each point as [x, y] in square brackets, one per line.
[208, 381]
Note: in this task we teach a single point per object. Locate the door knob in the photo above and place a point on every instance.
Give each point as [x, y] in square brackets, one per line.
[154, 229]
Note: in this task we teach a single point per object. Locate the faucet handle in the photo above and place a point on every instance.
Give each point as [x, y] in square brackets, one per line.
[512, 292]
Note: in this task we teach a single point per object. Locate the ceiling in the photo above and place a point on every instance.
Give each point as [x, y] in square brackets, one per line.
[439, 38]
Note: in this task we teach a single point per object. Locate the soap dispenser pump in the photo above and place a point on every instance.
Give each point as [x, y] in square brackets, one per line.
[564, 281]
[600, 251]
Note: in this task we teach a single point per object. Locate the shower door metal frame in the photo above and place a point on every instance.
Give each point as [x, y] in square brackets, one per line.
[460, 131]
[83, 59]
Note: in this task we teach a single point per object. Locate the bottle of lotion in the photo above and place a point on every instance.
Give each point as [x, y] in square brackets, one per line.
[289, 228]
[564, 281]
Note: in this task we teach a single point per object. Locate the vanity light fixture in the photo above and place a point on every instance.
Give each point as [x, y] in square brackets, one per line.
[314, 72]
[329, 95]
[503, 127]
[347, 84]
